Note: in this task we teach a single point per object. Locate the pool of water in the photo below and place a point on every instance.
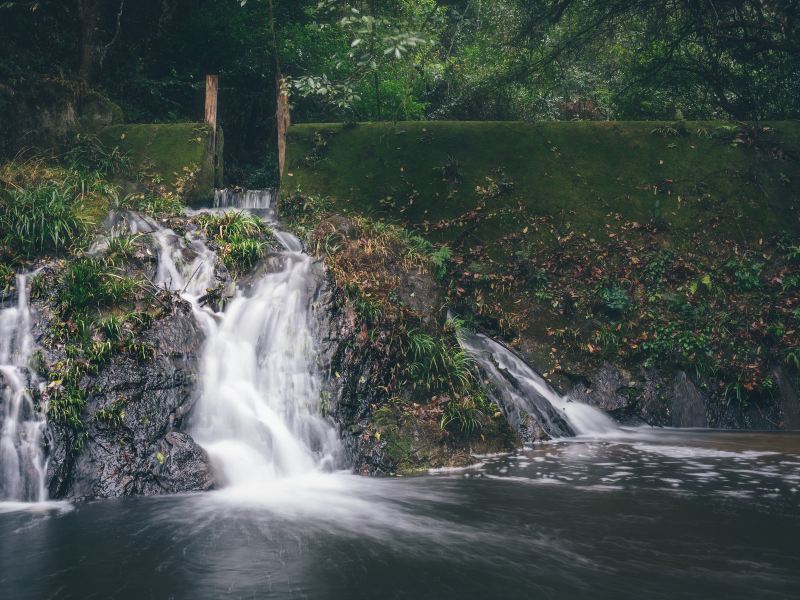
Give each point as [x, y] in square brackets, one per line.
[670, 514]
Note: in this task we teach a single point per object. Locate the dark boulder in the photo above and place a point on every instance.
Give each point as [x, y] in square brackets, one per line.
[135, 410]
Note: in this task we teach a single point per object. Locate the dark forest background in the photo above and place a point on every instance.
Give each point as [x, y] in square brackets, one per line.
[412, 59]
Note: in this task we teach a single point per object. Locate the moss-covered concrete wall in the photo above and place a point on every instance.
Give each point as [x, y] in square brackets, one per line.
[178, 155]
[424, 173]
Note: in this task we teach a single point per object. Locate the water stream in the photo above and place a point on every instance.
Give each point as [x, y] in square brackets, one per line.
[599, 512]
[257, 414]
[669, 515]
[22, 422]
[521, 391]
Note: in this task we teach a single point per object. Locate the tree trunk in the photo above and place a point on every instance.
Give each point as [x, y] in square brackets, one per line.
[89, 13]
[96, 40]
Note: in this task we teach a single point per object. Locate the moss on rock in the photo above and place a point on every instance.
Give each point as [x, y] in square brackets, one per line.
[176, 155]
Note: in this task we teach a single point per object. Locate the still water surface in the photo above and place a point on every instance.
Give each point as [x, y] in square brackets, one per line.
[672, 514]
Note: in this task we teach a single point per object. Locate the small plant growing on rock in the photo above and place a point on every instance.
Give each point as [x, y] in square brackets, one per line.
[240, 238]
[614, 298]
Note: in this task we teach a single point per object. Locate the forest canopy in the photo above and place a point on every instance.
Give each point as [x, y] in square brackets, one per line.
[368, 60]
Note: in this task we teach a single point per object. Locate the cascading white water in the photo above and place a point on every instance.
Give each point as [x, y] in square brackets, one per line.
[22, 423]
[245, 199]
[258, 410]
[519, 385]
[258, 415]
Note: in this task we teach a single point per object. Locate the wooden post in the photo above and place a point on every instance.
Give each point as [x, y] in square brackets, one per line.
[284, 121]
[212, 86]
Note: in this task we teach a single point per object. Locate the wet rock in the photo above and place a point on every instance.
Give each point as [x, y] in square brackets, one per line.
[651, 398]
[607, 389]
[379, 438]
[135, 411]
[688, 405]
[787, 384]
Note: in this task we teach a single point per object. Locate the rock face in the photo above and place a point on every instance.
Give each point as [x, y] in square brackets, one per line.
[134, 415]
[378, 438]
[44, 112]
[680, 400]
[355, 373]
[688, 404]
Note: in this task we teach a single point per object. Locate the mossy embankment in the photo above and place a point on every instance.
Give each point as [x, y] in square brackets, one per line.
[426, 174]
[176, 155]
[614, 255]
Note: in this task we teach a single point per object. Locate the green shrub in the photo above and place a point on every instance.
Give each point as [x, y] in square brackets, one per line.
[440, 260]
[86, 284]
[240, 237]
[121, 247]
[87, 152]
[614, 298]
[43, 218]
[746, 274]
[154, 205]
[438, 363]
[467, 414]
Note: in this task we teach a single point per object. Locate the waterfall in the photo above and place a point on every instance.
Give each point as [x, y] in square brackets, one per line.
[258, 412]
[521, 391]
[22, 423]
[260, 200]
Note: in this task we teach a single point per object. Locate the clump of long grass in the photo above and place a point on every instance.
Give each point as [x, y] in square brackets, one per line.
[157, 205]
[438, 363]
[42, 218]
[88, 153]
[87, 284]
[241, 238]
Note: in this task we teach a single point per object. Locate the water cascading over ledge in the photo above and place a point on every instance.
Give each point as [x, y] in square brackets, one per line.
[246, 199]
[257, 411]
[22, 422]
[533, 408]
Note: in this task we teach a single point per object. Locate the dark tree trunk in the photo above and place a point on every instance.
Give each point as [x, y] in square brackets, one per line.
[89, 14]
[100, 22]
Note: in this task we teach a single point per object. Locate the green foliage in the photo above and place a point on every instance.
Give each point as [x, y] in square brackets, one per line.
[440, 259]
[142, 351]
[121, 247]
[7, 280]
[87, 284]
[658, 266]
[231, 224]
[241, 238]
[671, 344]
[156, 205]
[43, 218]
[304, 211]
[746, 274]
[467, 414]
[437, 363]
[614, 298]
[793, 357]
[113, 415]
[88, 153]
[66, 406]
[111, 326]
[66, 396]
